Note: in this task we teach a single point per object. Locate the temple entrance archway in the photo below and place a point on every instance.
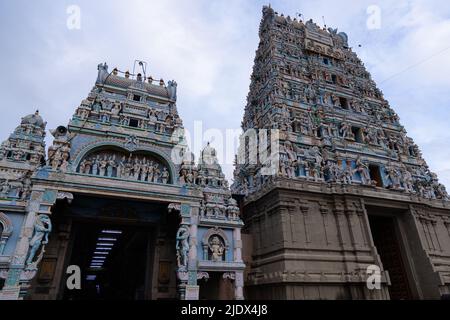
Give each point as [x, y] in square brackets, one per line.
[115, 262]
[125, 250]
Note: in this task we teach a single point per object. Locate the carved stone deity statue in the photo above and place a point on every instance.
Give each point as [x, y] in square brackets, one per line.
[345, 130]
[393, 176]
[151, 171]
[136, 169]
[347, 175]
[363, 170]
[156, 173]
[82, 167]
[152, 115]
[64, 165]
[3, 151]
[26, 186]
[407, 180]
[189, 177]
[121, 167]
[95, 165]
[5, 188]
[217, 249]
[165, 175]
[316, 154]
[182, 247]
[288, 148]
[111, 166]
[116, 109]
[172, 90]
[42, 228]
[103, 165]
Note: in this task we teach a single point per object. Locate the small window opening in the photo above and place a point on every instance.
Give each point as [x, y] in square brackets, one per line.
[344, 103]
[134, 123]
[357, 133]
[375, 175]
[333, 78]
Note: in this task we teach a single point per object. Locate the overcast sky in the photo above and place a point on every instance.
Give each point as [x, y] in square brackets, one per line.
[208, 47]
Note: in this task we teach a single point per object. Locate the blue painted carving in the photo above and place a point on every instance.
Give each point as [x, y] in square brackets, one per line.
[182, 247]
[49, 196]
[186, 210]
[99, 145]
[42, 228]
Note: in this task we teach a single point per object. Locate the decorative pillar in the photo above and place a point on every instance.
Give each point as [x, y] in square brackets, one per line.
[324, 212]
[304, 208]
[349, 215]
[20, 274]
[187, 286]
[338, 213]
[192, 263]
[239, 285]
[237, 245]
[181, 286]
[2, 244]
[11, 290]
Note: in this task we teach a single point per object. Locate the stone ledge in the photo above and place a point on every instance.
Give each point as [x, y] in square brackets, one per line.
[323, 188]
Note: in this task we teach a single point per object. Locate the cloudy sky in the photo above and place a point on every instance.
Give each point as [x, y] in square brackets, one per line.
[208, 47]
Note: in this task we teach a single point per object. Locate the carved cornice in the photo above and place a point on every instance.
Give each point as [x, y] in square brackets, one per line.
[7, 225]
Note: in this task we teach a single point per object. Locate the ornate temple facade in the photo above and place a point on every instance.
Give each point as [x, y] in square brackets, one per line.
[336, 192]
[351, 191]
[119, 200]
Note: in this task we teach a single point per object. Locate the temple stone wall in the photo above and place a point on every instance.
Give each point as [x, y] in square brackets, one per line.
[311, 246]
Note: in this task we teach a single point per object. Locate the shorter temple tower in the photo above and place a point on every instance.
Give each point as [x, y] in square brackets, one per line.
[219, 232]
[115, 200]
[20, 156]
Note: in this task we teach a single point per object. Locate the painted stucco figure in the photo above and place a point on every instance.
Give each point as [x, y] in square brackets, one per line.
[182, 247]
[217, 249]
[42, 228]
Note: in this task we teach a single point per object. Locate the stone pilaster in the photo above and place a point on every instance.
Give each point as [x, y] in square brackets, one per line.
[239, 285]
[237, 245]
[192, 263]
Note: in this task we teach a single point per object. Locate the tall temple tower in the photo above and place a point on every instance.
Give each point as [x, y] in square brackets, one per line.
[351, 193]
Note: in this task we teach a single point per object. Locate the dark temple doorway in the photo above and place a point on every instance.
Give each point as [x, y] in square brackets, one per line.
[114, 262]
[216, 287]
[386, 238]
[125, 250]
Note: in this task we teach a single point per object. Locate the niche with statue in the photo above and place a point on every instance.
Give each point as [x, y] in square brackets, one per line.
[215, 245]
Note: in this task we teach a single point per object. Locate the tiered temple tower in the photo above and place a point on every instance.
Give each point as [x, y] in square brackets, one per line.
[120, 197]
[20, 155]
[350, 190]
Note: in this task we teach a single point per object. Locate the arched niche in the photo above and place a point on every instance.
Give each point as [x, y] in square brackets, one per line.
[6, 230]
[116, 161]
[206, 243]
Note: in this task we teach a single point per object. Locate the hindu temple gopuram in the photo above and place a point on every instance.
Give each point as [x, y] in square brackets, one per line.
[350, 189]
[119, 197]
[328, 191]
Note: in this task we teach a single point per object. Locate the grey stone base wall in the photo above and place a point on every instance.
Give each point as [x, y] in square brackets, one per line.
[307, 245]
